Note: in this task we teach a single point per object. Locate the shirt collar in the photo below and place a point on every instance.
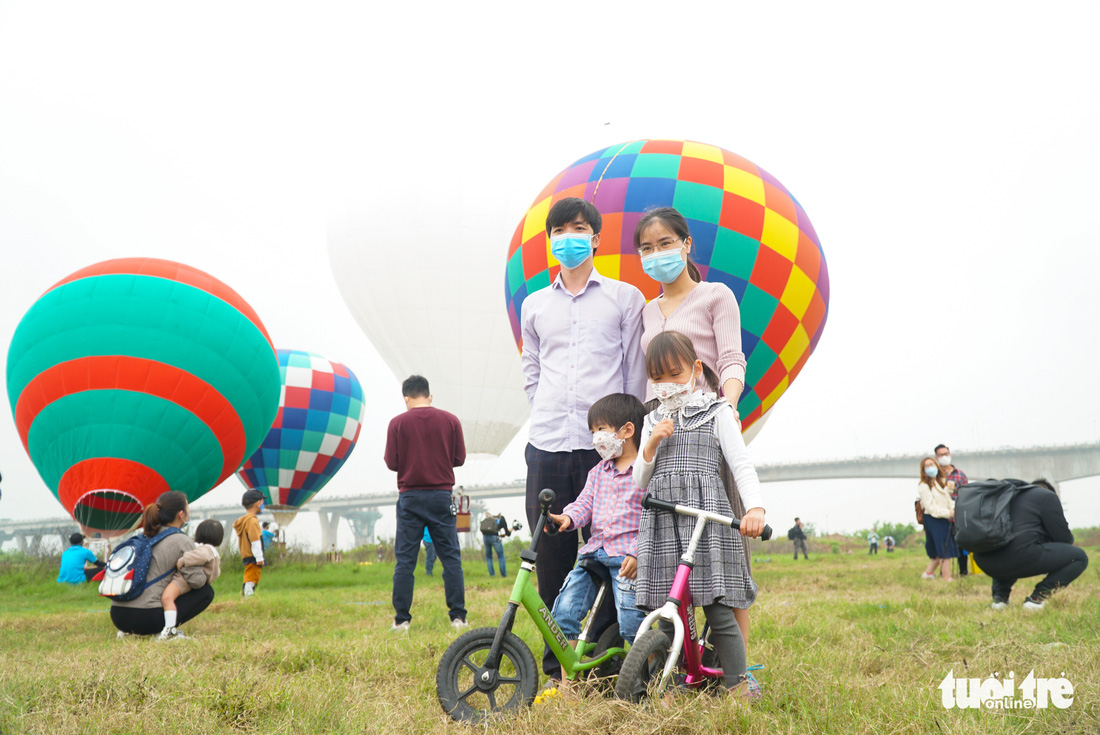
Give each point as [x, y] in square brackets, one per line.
[608, 465]
[593, 277]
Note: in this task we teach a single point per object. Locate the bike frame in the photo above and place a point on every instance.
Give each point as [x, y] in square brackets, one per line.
[679, 611]
[525, 595]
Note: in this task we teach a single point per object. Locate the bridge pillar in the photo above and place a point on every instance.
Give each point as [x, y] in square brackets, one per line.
[362, 525]
[21, 543]
[330, 523]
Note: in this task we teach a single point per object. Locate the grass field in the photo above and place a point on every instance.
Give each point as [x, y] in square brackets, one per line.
[851, 644]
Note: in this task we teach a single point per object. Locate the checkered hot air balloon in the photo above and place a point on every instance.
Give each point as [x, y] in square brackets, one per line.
[136, 376]
[749, 233]
[320, 412]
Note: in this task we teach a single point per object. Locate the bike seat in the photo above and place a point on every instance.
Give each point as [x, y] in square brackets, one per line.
[600, 574]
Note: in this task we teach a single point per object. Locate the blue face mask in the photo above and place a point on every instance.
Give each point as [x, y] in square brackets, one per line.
[571, 248]
[931, 471]
[665, 267]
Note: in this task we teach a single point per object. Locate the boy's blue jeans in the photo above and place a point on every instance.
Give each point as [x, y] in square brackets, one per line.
[579, 592]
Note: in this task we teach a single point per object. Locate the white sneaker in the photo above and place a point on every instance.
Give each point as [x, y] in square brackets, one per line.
[172, 634]
[121, 635]
[925, 575]
[400, 627]
[459, 623]
[999, 605]
[1033, 604]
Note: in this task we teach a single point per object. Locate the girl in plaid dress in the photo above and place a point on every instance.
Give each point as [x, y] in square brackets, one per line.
[685, 441]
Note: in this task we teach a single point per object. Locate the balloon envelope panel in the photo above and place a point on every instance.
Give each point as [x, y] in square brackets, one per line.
[136, 376]
[748, 231]
[320, 413]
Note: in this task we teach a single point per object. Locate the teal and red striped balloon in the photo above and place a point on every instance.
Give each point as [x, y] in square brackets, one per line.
[136, 376]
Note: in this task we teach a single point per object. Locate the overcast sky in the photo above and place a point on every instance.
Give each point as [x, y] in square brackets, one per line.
[945, 152]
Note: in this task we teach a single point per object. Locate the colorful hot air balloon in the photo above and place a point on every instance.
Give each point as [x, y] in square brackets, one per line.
[749, 233]
[320, 412]
[136, 376]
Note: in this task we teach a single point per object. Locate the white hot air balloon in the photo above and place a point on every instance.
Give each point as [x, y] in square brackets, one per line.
[423, 278]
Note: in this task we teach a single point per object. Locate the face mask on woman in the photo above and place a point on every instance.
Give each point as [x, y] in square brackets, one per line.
[931, 471]
[571, 248]
[665, 267]
[607, 444]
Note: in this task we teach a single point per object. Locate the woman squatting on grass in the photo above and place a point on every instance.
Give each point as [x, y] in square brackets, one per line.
[144, 615]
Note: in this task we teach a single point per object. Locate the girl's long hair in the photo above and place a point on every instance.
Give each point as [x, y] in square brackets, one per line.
[674, 221]
[941, 476]
[669, 350]
[163, 511]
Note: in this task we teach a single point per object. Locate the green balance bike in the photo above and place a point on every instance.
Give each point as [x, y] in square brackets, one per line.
[488, 671]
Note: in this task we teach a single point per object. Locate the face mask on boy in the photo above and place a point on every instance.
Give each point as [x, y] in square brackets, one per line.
[607, 444]
[571, 248]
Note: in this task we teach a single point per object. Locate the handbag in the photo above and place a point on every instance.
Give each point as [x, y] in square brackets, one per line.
[920, 512]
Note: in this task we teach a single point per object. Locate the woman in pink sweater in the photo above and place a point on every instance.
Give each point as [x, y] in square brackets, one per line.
[707, 313]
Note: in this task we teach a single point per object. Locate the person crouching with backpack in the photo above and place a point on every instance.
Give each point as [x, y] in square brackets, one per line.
[247, 528]
[939, 512]
[1041, 544]
[144, 615]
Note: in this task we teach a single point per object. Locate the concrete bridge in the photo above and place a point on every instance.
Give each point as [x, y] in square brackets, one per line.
[1056, 463]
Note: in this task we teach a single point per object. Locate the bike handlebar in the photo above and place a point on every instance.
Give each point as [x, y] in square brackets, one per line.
[652, 503]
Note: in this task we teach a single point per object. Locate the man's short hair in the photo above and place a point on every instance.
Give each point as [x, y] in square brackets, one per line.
[796, 519]
[939, 447]
[1043, 482]
[265, 524]
[415, 386]
[566, 210]
[617, 410]
[76, 539]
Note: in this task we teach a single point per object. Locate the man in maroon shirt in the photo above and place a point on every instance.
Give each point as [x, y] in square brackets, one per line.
[423, 446]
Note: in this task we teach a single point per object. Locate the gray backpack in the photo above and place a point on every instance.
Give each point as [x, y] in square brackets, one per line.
[982, 520]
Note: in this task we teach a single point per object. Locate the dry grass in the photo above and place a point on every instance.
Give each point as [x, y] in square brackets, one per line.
[851, 645]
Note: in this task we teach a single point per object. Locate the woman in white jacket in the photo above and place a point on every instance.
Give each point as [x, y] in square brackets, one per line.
[939, 513]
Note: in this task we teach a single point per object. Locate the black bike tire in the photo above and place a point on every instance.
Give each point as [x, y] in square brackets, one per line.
[609, 639]
[643, 665]
[452, 663]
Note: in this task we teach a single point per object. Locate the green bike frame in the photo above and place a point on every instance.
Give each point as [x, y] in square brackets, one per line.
[525, 594]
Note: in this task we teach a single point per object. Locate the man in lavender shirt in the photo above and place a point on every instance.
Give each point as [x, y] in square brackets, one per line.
[581, 342]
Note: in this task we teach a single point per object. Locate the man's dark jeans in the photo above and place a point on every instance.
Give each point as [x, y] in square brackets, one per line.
[1062, 563]
[417, 510]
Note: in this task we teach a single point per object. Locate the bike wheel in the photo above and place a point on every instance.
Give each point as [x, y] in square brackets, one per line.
[470, 693]
[609, 639]
[643, 666]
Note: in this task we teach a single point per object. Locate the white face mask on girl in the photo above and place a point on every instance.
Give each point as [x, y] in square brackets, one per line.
[607, 444]
[673, 396]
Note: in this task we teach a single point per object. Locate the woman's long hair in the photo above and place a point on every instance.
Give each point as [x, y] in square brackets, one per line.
[163, 511]
[941, 476]
[674, 221]
[671, 349]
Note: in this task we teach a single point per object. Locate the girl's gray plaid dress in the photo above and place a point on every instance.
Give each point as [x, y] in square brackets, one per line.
[686, 472]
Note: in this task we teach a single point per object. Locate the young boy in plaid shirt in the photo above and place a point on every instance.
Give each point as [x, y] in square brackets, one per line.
[612, 504]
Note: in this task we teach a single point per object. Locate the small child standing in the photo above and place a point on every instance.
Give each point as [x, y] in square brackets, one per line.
[612, 503]
[685, 440]
[208, 537]
[247, 528]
